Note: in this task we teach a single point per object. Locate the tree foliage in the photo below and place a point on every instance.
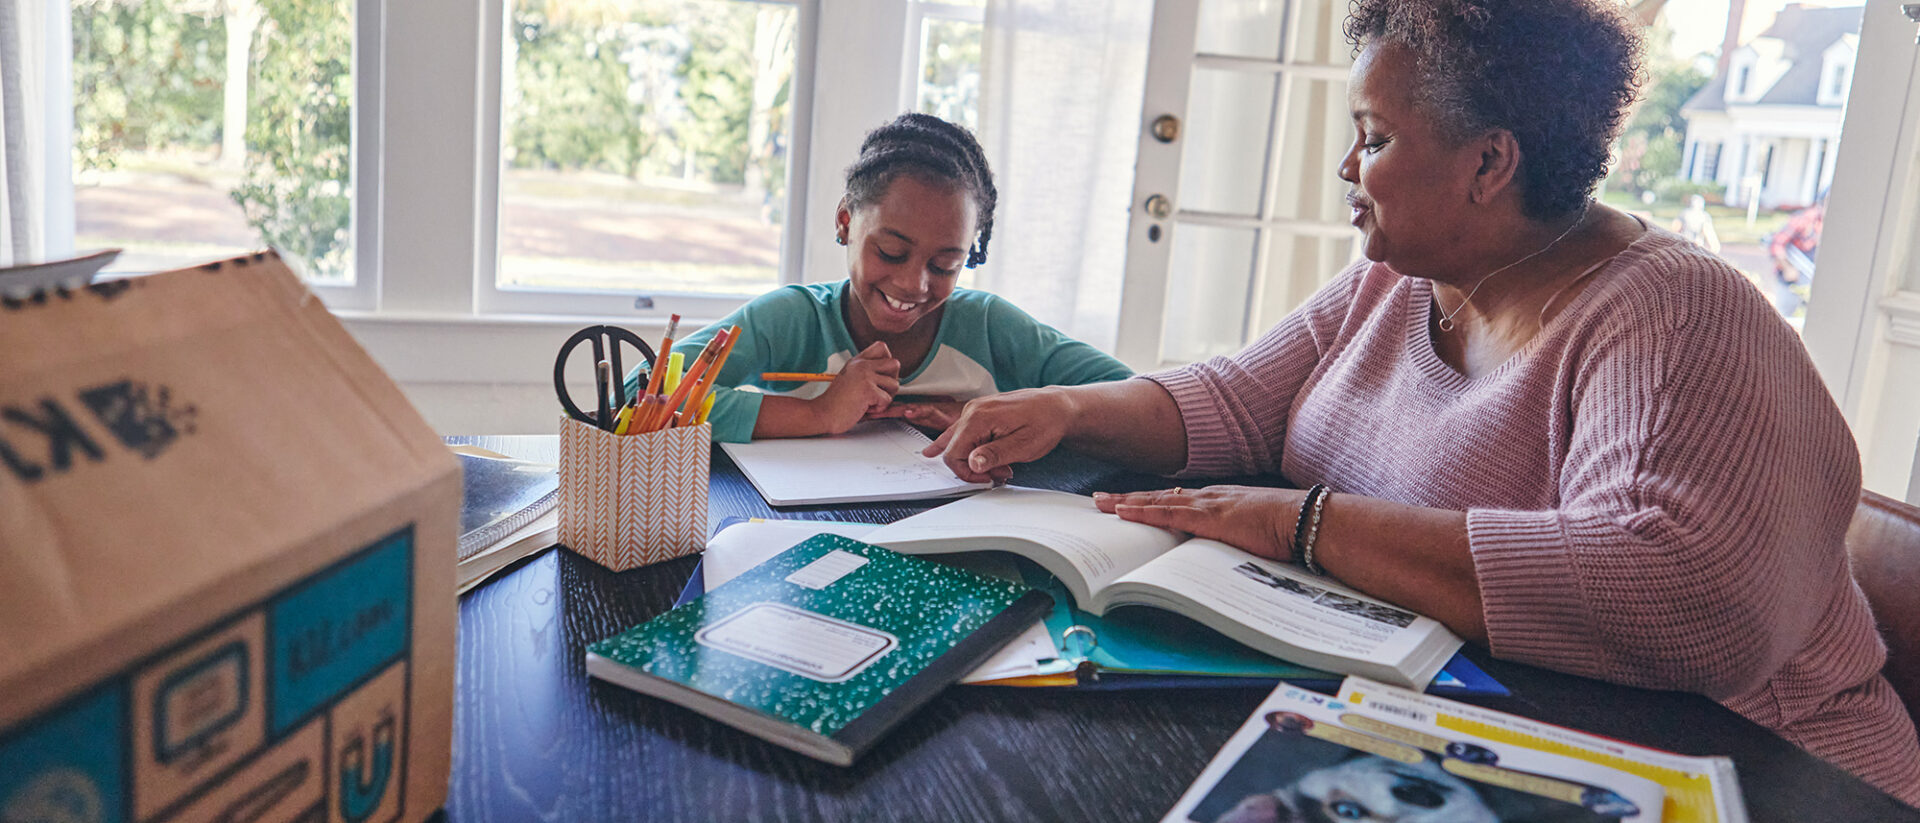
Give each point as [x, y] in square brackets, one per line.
[1651, 149]
[144, 77]
[297, 192]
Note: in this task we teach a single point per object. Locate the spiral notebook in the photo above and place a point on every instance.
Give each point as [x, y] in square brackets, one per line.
[875, 460]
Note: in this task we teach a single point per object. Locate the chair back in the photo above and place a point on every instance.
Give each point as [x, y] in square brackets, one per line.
[1884, 542]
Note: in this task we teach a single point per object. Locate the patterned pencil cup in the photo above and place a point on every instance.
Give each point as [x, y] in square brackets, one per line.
[627, 502]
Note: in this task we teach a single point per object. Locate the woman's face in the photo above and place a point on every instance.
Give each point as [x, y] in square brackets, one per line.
[1409, 183]
[904, 253]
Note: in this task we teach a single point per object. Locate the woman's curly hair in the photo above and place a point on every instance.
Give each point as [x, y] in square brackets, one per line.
[1558, 74]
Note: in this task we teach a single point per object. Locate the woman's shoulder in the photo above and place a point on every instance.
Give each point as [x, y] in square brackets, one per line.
[1673, 296]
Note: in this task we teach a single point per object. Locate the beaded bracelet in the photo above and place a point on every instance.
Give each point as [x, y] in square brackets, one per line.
[1313, 532]
[1300, 522]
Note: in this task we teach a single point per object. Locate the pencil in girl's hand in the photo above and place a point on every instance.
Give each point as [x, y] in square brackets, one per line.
[796, 377]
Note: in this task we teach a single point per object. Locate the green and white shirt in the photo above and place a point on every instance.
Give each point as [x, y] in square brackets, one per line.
[985, 346]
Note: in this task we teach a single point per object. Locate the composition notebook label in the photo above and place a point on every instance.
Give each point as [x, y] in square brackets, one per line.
[811, 645]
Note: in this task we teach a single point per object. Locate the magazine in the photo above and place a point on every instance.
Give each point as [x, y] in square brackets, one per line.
[1304, 756]
[1106, 562]
[1698, 789]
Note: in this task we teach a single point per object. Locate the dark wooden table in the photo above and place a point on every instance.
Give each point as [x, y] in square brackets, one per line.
[536, 740]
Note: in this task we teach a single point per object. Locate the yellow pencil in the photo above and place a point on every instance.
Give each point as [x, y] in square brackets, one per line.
[796, 377]
[675, 362]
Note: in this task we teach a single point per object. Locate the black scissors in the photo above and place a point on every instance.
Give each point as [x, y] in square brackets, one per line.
[606, 342]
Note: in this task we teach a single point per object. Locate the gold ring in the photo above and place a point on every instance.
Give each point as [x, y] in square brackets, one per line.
[1178, 490]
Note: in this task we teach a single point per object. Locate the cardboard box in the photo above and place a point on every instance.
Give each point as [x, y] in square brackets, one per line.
[226, 560]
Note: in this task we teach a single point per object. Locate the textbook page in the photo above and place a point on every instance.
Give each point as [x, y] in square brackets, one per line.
[1083, 546]
[875, 460]
[1291, 614]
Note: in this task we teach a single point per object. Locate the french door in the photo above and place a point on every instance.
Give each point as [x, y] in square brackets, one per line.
[1237, 213]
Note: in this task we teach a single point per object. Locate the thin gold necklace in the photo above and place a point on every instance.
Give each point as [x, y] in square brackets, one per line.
[1446, 317]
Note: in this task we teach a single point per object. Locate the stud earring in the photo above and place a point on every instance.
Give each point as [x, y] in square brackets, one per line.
[840, 238]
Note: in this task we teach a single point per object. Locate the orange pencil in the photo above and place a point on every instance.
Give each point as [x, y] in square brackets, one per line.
[796, 377]
[658, 370]
[699, 369]
[689, 415]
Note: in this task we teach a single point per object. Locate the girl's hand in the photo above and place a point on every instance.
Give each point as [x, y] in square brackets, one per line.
[865, 386]
[1253, 519]
[935, 413]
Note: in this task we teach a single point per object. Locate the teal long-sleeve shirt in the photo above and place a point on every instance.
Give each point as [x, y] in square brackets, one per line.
[985, 345]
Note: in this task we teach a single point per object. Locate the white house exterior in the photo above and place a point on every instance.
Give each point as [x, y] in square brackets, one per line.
[1770, 123]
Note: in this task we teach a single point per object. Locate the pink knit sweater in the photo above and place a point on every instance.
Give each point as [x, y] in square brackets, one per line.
[1657, 486]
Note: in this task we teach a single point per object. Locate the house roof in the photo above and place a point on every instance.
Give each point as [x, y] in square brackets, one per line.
[1801, 35]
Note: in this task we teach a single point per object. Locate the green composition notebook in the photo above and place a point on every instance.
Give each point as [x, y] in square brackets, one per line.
[824, 647]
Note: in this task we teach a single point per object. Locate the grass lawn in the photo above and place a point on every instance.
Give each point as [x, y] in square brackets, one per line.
[1729, 223]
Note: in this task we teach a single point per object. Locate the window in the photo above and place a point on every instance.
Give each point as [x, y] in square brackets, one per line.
[644, 147]
[202, 130]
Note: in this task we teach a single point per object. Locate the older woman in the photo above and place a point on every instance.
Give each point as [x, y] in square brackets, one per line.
[1568, 435]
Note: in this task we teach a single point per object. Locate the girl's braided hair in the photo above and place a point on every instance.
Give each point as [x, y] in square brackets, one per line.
[934, 151]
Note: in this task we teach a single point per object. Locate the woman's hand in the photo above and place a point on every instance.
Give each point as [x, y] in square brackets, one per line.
[866, 385]
[995, 432]
[1253, 519]
[932, 412]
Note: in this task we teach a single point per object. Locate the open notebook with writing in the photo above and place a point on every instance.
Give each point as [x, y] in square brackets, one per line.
[875, 460]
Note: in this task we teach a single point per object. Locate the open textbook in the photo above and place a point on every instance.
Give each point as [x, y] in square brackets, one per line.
[1698, 789]
[1107, 562]
[1126, 649]
[1306, 756]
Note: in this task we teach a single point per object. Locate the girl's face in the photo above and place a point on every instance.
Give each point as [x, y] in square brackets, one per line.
[1409, 183]
[904, 253]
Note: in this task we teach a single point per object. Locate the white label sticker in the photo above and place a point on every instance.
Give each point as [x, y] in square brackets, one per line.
[830, 567]
[807, 644]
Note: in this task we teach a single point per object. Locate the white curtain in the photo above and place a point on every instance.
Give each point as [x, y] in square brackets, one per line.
[35, 46]
[1061, 82]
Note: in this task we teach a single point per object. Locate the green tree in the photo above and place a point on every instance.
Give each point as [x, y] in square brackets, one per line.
[1650, 148]
[297, 191]
[145, 76]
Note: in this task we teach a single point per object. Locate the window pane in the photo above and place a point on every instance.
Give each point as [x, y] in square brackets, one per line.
[950, 71]
[645, 146]
[1241, 28]
[1759, 173]
[203, 130]
[1221, 168]
[1207, 277]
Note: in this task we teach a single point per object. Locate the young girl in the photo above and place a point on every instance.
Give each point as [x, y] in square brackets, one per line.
[901, 339]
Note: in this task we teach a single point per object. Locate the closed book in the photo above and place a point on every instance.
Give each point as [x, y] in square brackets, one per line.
[824, 647]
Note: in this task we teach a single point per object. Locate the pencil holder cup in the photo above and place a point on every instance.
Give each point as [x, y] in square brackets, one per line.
[636, 500]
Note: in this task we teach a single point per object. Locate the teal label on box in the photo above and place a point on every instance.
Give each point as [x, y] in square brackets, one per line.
[294, 707]
[67, 764]
[336, 630]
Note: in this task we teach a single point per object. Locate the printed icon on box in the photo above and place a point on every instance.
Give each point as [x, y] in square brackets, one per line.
[199, 701]
[259, 800]
[366, 769]
[56, 796]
